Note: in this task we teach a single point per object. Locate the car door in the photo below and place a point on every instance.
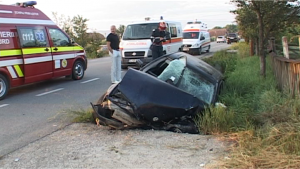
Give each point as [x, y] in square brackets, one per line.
[62, 50]
[37, 57]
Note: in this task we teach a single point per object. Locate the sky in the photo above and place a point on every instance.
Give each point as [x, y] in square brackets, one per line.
[104, 13]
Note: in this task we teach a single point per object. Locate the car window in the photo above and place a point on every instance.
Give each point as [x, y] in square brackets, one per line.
[173, 71]
[190, 35]
[58, 38]
[196, 85]
[232, 35]
[32, 37]
[187, 80]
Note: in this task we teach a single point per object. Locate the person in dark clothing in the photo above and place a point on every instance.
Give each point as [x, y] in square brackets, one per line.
[158, 37]
[113, 42]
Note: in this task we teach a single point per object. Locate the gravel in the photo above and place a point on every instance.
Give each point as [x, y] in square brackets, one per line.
[83, 145]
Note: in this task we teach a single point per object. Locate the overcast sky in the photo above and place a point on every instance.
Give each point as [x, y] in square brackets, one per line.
[101, 14]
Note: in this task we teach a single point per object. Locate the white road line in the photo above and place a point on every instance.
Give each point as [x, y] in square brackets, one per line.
[52, 91]
[90, 80]
[3, 105]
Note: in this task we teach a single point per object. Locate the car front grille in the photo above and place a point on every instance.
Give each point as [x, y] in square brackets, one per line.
[133, 54]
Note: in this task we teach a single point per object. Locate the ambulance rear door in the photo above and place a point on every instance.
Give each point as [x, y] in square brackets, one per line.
[37, 57]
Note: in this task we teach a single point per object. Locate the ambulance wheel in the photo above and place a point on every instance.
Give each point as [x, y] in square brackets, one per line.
[4, 86]
[200, 51]
[78, 70]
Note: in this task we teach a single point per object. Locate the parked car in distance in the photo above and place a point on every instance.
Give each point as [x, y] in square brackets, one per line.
[165, 94]
[233, 37]
[221, 39]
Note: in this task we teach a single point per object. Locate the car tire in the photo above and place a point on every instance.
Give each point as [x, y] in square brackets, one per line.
[208, 49]
[78, 70]
[4, 86]
[200, 51]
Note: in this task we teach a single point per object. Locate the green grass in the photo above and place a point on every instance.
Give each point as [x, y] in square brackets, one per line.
[263, 123]
[83, 116]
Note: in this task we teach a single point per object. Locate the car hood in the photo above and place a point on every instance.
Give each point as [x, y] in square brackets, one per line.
[155, 100]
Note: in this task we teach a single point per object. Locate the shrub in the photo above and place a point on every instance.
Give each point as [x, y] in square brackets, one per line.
[263, 122]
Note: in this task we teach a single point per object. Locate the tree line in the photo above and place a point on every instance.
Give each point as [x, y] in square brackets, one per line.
[77, 29]
[258, 21]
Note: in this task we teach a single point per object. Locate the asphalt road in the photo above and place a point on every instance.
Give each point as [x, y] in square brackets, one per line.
[31, 112]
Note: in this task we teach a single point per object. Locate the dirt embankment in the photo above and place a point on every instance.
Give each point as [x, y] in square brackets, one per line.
[89, 146]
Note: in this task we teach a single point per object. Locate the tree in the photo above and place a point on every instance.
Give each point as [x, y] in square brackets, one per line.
[217, 27]
[271, 18]
[65, 23]
[231, 28]
[120, 30]
[80, 30]
[77, 28]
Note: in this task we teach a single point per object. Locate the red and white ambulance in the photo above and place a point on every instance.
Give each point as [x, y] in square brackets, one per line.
[196, 38]
[135, 43]
[33, 48]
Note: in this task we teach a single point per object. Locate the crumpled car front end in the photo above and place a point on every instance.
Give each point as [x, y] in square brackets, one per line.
[143, 101]
[166, 94]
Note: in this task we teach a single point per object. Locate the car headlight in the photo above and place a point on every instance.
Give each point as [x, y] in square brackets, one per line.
[121, 45]
[196, 45]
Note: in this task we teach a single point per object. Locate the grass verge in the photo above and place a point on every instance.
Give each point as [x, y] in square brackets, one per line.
[83, 116]
[263, 123]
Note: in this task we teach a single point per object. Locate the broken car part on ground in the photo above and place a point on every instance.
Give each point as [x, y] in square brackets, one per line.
[166, 94]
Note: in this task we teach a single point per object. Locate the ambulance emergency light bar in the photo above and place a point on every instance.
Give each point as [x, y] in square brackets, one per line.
[26, 4]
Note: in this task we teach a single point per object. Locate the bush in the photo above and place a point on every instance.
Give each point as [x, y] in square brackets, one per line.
[223, 61]
[263, 122]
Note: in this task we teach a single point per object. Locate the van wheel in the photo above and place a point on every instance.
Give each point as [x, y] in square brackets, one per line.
[78, 70]
[208, 49]
[200, 51]
[4, 86]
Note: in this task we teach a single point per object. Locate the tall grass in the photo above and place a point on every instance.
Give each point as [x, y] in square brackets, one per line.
[263, 122]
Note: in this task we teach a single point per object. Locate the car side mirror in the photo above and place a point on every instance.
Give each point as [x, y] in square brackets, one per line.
[139, 63]
[202, 38]
[72, 41]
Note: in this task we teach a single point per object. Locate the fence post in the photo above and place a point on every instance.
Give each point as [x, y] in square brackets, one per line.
[299, 41]
[273, 44]
[285, 47]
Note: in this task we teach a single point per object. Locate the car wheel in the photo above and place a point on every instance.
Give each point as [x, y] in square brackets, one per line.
[200, 51]
[208, 49]
[4, 86]
[78, 70]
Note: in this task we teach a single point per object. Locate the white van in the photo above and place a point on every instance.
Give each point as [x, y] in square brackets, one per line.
[196, 38]
[135, 43]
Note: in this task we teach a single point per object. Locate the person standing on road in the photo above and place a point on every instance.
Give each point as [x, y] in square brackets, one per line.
[112, 42]
[158, 36]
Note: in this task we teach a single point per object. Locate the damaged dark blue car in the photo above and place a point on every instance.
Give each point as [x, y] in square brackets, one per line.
[165, 94]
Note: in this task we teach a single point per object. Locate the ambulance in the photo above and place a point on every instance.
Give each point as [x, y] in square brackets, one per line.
[33, 48]
[135, 43]
[196, 38]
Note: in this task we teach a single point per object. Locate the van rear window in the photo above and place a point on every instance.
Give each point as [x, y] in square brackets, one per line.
[31, 37]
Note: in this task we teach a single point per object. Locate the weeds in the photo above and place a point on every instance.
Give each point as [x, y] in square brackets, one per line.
[83, 116]
[263, 123]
